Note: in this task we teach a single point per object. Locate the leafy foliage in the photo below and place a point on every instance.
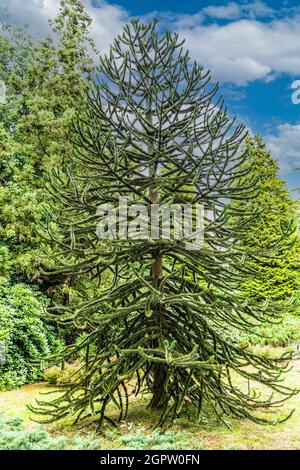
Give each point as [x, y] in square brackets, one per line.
[60, 376]
[26, 337]
[173, 322]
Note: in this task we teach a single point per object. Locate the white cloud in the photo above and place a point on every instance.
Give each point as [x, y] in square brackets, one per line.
[258, 9]
[238, 51]
[237, 69]
[33, 12]
[285, 146]
[227, 12]
[234, 11]
[181, 21]
[246, 50]
[108, 20]
[230, 11]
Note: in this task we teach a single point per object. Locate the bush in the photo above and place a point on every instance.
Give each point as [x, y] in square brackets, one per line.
[57, 376]
[13, 436]
[24, 334]
[278, 335]
[157, 440]
[72, 370]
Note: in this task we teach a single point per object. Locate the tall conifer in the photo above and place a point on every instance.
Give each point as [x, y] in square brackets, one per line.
[277, 277]
[155, 131]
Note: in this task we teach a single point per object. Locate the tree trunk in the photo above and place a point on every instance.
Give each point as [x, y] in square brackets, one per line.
[159, 370]
[158, 391]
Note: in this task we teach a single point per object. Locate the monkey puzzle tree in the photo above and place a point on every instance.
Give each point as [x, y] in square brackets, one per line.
[155, 132]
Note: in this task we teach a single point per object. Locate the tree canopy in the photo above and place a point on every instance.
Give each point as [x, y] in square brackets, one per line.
[46, 86]
[277, 277]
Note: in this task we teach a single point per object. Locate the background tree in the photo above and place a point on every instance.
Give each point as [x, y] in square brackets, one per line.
[50, 89]
[23, 334]
[276, 278]
[155, 132]
[57, 83]
[16, 57]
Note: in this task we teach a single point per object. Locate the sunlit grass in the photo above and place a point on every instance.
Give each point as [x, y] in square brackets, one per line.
[208, 433]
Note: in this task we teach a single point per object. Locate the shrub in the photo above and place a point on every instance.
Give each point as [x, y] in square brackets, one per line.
[278, 334]
[24, 334]
[57, 376]
[157, 440]
[13, 436]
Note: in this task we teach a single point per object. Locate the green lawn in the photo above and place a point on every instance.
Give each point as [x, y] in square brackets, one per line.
[137, 431]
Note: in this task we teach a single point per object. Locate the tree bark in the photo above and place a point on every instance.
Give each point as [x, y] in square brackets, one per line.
[159, 370]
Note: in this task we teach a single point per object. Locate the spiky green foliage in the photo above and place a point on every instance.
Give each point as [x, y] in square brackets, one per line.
[14, 436]
[156, 132]
[277, 277]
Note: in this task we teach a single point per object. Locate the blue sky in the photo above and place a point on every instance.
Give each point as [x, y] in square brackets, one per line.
[252, 47]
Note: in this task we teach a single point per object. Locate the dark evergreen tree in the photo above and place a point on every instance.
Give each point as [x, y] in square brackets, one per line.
[155, 131]
[46, 87]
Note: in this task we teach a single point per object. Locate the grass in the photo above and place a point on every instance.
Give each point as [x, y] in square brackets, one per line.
[137, 432]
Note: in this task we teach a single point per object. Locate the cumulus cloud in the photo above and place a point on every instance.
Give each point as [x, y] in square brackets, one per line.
[237, 45]
[285, 146]
[238, 50]
[245, 50]
[35, 13]
[230, 11]
[229, 39]
[234, 10]
[108, 20]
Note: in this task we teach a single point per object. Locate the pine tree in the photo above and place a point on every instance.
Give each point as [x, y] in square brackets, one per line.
[16, 58]
[277, 277]
[57, 83]
[156, 132]
[46, 96]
